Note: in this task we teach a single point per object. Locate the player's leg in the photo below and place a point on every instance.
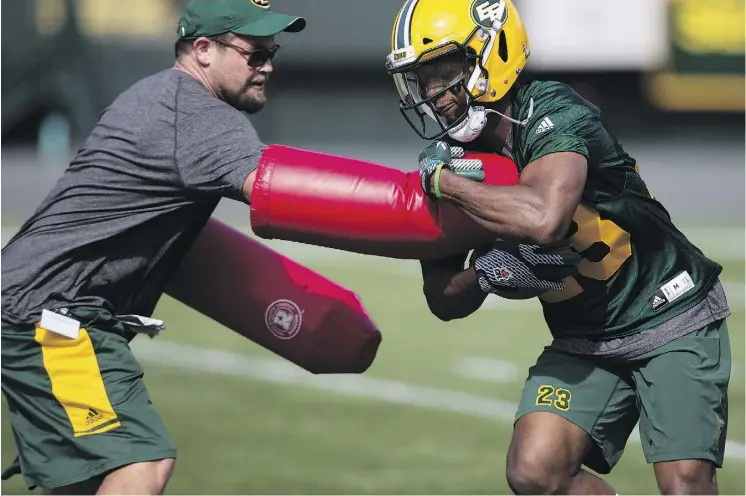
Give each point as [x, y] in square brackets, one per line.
[573, 412]
[686, 477]
[80, 413]
[683, 390]
[545, 456]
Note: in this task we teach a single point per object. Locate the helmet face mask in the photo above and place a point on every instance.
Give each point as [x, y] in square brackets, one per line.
[474, 49]
[440, 76]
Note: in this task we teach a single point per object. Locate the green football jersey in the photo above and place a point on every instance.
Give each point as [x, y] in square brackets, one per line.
[637, 270]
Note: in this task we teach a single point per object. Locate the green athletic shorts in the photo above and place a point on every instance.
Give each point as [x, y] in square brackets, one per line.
[78, 407]
[679, 394]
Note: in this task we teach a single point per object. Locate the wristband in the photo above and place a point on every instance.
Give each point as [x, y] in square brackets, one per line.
[436, 181]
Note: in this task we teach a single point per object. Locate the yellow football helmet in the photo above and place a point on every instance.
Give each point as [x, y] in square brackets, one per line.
[488, 34]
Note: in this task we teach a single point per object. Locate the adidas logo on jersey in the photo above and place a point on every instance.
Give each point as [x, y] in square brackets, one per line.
[545, 125]
[658, 301]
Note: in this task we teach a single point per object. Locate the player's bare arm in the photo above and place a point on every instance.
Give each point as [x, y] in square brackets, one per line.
[538, 210]
[451, 291]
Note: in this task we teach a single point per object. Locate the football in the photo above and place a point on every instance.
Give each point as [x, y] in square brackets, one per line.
[510, 294]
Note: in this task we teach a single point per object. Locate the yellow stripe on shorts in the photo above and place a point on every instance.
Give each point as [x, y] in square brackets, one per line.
[76, 381]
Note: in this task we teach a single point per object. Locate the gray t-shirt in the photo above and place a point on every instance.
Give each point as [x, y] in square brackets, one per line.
[131, 203]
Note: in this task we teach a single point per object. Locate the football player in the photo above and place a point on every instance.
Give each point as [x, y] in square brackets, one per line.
[643, 323]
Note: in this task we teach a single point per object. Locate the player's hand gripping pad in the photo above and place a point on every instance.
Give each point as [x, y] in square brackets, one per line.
[359, 206]
[275, 302]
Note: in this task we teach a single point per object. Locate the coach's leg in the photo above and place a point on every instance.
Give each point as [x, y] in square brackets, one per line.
[139, 478]
[683, 391]
[574, 411]
[80, 411]
[136, 478]
[545, 457]
[86, 487]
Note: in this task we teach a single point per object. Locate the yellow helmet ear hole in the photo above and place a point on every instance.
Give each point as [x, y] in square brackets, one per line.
[502, 49]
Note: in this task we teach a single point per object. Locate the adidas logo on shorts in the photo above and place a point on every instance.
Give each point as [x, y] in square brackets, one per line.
[93, 416]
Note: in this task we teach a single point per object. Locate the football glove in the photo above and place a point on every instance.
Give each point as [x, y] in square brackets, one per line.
[437, 156]
[507, 265]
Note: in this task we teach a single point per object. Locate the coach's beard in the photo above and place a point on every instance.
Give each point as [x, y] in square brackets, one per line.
[250, 99]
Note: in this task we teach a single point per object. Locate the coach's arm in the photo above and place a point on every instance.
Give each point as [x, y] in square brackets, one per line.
[538, 210]
[248, 185]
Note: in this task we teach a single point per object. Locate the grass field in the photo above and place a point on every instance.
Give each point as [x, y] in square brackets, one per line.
[431, 416]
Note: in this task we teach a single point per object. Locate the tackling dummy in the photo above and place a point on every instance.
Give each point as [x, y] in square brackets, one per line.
[279, 304]
[328, 201]
[362, 207]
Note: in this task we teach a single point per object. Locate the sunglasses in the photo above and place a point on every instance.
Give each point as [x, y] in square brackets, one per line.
[257, 57]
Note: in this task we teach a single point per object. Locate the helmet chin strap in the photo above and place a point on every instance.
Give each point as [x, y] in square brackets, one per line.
[476, 120]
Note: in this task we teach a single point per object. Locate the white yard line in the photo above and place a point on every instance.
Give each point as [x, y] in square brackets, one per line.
[278, 371]
[488, 369]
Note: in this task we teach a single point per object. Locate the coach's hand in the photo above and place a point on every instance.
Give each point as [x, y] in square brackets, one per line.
[511, 265]
[439, 156]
